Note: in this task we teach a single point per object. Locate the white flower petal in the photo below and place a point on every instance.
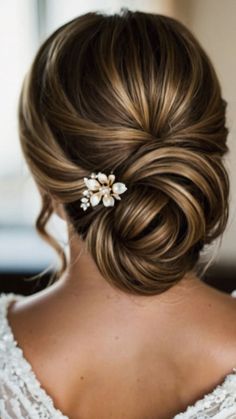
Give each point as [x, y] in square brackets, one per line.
[111, 179]
[108, 201]
[102, 178]
[95, 198]
[116, 196]
[119, 187]
[84, 199]
[91, 184]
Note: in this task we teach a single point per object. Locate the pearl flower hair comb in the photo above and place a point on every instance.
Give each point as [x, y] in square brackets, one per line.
[101, 187]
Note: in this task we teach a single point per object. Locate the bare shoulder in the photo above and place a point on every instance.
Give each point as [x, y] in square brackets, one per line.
[45, 332]
[215, 332]
[219, 315]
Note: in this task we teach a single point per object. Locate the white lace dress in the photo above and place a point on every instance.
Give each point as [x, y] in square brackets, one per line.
[22, 396]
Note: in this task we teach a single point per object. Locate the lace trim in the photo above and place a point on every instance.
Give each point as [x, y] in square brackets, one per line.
[222, 397]
[22, 367]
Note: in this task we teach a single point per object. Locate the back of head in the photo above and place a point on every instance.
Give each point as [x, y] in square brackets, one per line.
[134, 94]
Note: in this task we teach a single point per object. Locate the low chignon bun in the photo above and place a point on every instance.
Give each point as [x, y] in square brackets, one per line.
[133, 93]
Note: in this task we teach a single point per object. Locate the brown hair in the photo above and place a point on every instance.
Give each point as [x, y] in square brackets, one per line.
[133, 93]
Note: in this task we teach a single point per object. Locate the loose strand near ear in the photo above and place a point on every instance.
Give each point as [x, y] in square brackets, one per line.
[41, 222]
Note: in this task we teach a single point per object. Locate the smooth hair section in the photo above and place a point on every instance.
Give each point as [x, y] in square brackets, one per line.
[133, 93]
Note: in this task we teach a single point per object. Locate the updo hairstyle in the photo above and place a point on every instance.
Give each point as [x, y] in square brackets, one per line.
[133, 93]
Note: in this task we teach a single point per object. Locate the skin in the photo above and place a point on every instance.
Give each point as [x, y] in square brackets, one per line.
[101, 353]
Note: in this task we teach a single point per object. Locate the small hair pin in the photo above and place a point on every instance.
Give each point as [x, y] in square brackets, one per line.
[101, 187]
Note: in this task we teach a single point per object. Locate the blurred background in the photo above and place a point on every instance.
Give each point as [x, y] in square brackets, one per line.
[24, 25]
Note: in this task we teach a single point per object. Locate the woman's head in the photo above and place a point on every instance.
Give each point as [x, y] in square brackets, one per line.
[133, 93]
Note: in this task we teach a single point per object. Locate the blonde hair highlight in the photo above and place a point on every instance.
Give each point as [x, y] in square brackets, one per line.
[136, 94]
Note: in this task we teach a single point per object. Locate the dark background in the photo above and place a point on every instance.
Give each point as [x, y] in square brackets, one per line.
[222, 277]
